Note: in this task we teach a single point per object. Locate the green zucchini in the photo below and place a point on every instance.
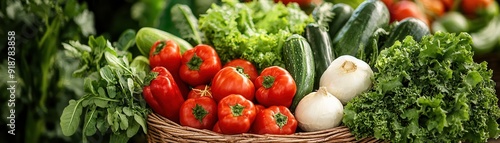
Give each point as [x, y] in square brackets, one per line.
[342, 14]
[299, 62]
[319, 40]
[147, 36]
[332, 16]
[407, 27]
[354, 36]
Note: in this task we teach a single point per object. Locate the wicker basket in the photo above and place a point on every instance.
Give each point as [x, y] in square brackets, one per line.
[161, 129]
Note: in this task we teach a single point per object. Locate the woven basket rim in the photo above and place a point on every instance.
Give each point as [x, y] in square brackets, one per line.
[161, 129]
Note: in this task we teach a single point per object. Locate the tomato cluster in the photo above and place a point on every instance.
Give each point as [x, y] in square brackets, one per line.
[229, 99]
[429, 10]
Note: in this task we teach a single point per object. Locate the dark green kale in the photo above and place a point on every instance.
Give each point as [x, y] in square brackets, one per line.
[430, 91]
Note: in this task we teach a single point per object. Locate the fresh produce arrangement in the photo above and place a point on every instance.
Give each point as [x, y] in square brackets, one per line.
[238, 70]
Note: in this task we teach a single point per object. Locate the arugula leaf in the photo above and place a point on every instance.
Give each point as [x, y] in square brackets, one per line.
[70, 117]
[127, 111]
[90, 123]
[123, 121]
[141, 122]
[118, 138]
[101, 124]
[107, 74]
[133, 128]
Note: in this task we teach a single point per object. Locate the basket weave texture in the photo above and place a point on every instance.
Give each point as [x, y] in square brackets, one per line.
[161, 129]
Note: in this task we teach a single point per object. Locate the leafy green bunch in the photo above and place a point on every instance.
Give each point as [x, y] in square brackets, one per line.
[113, 89]
[431, 91]
[248, 31]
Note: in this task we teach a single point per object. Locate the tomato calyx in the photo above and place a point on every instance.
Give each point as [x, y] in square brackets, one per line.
[199, 112]
[149, 77]
[203, 92]
[237, 110]
[280, 119]
[195, 62]
[241, 70]
[268, 81]
[159, 47]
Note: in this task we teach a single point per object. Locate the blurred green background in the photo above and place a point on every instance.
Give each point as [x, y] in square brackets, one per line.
[44, 73]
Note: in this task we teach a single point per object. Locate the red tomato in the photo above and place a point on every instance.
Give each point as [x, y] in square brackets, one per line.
[217, 128]
[275, 86]
[259, 108]
[236, 114]
[248, 67]
[275, 120]
[231, 81]
[199, 65]
[200, 91]
[168, 54]
[200, 113]
[404, 9]
[470, 7]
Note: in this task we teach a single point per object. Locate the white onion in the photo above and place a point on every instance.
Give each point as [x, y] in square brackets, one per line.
[319, 111]
[347, 77]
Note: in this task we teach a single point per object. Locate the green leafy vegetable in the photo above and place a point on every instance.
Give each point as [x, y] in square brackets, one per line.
[249, 31]
[70, 119]
[187, 24]
[113, 89]
[430, 91]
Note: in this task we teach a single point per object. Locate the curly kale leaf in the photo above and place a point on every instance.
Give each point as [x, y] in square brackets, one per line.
[430, 91]
[248, 31]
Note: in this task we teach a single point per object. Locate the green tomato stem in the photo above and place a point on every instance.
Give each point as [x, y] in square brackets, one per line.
[237, 110]
[199, 112]
[280, 119]
[195, 63]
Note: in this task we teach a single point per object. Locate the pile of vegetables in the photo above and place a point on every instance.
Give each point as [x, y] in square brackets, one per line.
[241, 70]
[226, 98]
[428, 91]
